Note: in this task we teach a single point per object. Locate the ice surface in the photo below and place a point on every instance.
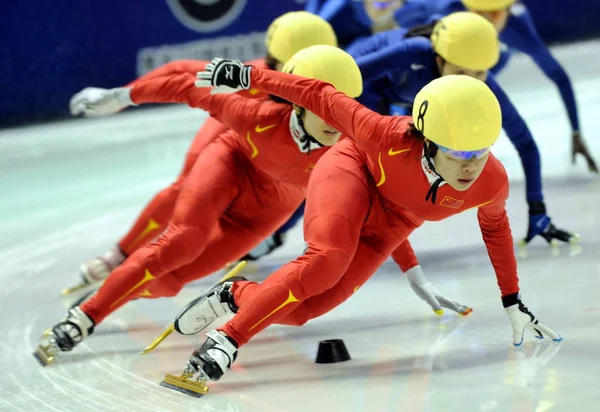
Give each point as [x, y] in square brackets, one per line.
[70, 189]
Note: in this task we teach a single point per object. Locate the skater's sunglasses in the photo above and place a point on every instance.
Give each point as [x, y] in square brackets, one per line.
[464, 154]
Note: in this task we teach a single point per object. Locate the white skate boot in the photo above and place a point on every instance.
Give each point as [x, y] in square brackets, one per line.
[95, 271]
[199, 313]
[210, 361]
[64, 336]
[215, 356]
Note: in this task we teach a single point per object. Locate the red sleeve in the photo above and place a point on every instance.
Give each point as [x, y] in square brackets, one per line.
[172, 68]
[498, 239]
[368, 129]
[230, 109]
[405, 257]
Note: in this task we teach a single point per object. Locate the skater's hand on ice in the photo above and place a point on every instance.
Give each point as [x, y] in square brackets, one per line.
[578, 146]
[225, 76]
[429, 294]
[93, 101]
[521, 319]
[540, 224]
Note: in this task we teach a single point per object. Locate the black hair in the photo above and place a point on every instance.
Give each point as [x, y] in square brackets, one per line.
[429, 152]
[423, 30]
[271, 63]
[414, 133]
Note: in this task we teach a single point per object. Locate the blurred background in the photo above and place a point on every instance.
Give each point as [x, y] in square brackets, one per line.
[52, 49]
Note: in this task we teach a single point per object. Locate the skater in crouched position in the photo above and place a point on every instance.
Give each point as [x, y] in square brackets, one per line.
[243, 186]
[517, 31]
[365, 196]
[396, 64]
[285, 36]
[351, 20]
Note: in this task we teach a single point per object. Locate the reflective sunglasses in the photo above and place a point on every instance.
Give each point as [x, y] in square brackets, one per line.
[464, 154]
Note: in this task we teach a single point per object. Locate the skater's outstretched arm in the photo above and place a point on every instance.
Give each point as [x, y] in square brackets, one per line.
[171, 69]
[396, 57]
[369, 129]
[233, 110]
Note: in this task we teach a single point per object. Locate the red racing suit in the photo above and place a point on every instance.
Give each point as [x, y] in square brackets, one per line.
[243, 186]
[365, 197]
[157, 213]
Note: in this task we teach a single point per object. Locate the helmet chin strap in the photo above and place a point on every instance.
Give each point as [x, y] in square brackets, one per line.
[305, 138]
[432, 193]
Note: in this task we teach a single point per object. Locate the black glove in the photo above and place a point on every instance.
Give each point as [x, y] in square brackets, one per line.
[225, 76]
[540, 224]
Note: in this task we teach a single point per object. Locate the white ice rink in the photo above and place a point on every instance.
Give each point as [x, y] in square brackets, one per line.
[70, 189]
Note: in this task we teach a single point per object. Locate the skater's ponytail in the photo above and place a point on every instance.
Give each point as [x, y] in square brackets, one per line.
[423, 30]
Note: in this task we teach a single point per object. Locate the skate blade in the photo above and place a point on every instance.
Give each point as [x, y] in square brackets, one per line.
[169, 329]
[234, 271]
[158, 339]
[42, 355]
[185, 385]
[77, 288]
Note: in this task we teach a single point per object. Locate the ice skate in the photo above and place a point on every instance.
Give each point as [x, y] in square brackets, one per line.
[94, 271]
[64, 336]
[209, 362]
[71, 304]
[199, 313]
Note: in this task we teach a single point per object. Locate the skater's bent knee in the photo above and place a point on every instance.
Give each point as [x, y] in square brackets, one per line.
[180, 246]
[324, 270]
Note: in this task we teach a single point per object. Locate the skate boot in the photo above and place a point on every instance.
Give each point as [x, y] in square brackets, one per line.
[210, 361]
[215, 356]
[199, 313]
[64, 336]
[94, 271]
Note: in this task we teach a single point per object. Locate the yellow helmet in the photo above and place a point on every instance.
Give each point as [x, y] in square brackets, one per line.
[329, 64]
[467, 40]
[488, 5]
[458, 112]
[295, 31]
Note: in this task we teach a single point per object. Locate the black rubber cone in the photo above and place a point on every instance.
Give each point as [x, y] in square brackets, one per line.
[332, 351]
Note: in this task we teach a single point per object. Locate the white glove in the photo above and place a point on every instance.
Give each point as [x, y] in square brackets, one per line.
[225, 76]
[521, 319]
[429, 294]
[93, 101]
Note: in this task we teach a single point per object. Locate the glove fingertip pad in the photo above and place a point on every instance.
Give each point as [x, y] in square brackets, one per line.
[467, 312]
